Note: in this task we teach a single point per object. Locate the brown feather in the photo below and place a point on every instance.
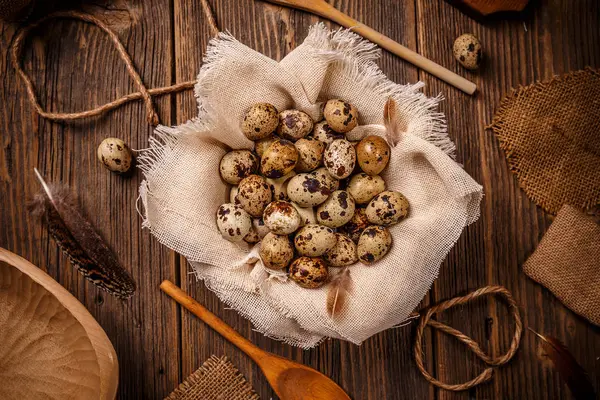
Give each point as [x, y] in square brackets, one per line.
[339, 289]
[79, 241]
[568, 368]
[392, 127]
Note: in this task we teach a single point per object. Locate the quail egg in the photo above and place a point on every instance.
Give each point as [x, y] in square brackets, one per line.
[232, 195]
[374, 243]
[236, 165]
[363, 187]
[337, 210]
[314, 240]
[325, 134]
[307, 190]
[254, 194]
[356, 225]
[260, 121]
[467, 50]
[373, 154]
[326, 178]
[340, 115]
[261, 145]
[343, 253]
[310, 154]
[294, 124]
[340, 158]
[281, 217]
[258, 225]
[279, 186]
[233, 222]
[307, 215]
[276, 251]
[309, 272]
[115, 155]
[279, 159]
[387, 208]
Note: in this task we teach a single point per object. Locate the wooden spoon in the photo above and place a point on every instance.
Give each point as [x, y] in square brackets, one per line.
[289, 380]
[326, 10]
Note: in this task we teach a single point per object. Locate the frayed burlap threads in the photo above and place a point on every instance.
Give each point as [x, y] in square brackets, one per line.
[216, 379]
[550, 132]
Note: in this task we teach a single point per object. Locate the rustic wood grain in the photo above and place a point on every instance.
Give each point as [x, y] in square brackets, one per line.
[158, 345]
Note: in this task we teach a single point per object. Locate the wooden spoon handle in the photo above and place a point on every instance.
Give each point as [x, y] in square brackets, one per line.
[212, 320]
[326, 10]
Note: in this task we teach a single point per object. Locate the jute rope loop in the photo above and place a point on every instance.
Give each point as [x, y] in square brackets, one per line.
[142, 93]
[492, 362]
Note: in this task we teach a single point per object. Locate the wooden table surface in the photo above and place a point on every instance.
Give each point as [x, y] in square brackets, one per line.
[74, 67]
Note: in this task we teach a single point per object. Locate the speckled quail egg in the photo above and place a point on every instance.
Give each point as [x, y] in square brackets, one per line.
[252, 237]
[260, 121]
[236, 165]
[343, 253]
[307, 215]
[294, 124]
[323, 132]
[276, 251]
[373, 154]
[232, 195]
[115, 155]
[467, 50]
[261, 145]
[281, 218]
[363, 187]
[233, 222]
[309, 272]
[314, 240]
[279, 186]
[337, 210]
[254, 194]
[340, 158]
[387, 208]
[279, 159]
[356, 225]
[258, 225]
[374, 243]
[307, 190]
[340, 115]
[310, 154]
[326, 178]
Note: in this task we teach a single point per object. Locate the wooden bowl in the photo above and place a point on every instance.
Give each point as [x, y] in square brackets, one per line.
[51, 346]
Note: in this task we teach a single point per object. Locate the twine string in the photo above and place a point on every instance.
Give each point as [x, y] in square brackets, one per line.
[492, 362]
[146, 94]
[143, 93]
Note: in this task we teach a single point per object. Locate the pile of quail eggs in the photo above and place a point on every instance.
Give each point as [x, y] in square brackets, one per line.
[311, 198]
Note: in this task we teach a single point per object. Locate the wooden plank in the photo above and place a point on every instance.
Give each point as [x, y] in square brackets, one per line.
[275, 31]
[74, 67]
[493, 249]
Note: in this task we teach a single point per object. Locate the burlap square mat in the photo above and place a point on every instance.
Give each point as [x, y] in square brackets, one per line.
[216, 379]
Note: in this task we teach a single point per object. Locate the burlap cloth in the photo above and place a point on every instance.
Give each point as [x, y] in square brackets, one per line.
[216, 379]
[182, 187]
[567, 261]
[550, 132]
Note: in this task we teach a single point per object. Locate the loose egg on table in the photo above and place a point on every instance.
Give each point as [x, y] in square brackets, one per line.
[373, 154]
[236, 165]
[115, 155]
[279, 159]
[260, 121]
[340, 158]
[309, 272]
[467, 50]
[294, 124]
